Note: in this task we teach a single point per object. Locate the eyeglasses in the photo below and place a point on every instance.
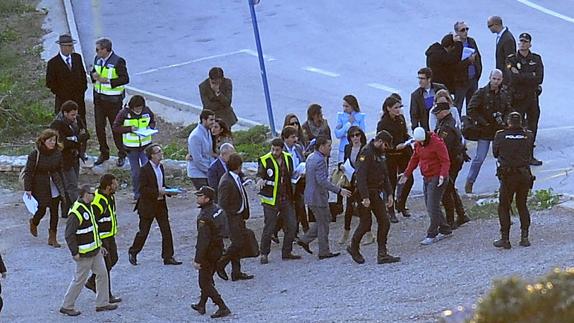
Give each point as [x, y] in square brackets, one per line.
[463, 29]
[356, 134]
[422, 77]
[294, 123]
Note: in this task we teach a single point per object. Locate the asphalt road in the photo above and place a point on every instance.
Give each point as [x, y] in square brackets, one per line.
[321, 50]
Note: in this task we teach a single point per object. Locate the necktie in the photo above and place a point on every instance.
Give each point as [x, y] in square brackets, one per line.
[69, 62]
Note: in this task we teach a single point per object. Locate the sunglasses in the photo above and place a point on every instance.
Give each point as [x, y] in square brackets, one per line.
[294, 124]
[463, 29]
[356, 134]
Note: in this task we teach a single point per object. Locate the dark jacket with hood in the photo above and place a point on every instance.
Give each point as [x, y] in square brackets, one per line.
[37, 176]
[489, 110]
[443, 63]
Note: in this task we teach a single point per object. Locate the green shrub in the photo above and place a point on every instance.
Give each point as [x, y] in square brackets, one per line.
[255, 135]
[250, 152]
[175, 151]
[551, 299]
[8, 7]
[544, 199]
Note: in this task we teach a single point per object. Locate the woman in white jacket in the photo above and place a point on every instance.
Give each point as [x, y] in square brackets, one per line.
[350, 116]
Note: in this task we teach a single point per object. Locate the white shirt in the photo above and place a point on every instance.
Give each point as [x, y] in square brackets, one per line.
[243, 197]
[158, 176]
[67, 59]
[294, 155]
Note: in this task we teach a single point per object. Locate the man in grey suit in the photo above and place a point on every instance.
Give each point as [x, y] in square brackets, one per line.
[505, 43]
[317, 189]
[233, 200]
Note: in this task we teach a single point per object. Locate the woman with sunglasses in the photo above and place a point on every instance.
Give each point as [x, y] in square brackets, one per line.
[356, 140]
[398, 157]
[292, 120]
[350, 116]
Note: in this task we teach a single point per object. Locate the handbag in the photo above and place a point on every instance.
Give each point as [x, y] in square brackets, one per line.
[22, 171]
[470, 129]
[250, 246]
[339, 179]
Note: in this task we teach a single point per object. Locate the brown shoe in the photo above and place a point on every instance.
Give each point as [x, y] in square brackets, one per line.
[52, 239]
[33, 228]
[109, 307]
[69, 311]
[468, 188]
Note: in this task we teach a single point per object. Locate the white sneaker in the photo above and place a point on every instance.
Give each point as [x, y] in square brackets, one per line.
[441, 236]
[427, 241]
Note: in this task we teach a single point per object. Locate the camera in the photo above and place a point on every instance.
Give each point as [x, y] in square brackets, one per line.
[498, 118]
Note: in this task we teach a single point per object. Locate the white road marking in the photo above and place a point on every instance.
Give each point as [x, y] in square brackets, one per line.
[383, 87]
[546, 10]
[320, 71]
[254, 53]
[191, 61]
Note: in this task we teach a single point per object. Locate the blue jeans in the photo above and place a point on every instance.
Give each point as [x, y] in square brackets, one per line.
[433, 197]
[481, 152]
[137, 158]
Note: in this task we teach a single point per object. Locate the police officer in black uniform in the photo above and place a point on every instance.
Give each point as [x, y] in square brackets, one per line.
[373, 179]
[526, 73]
[450, 134]
[512, 148]
[208, 249]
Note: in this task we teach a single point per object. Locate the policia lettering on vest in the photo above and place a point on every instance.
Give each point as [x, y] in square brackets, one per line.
[276, 193]
[104, 208]
[512, 147]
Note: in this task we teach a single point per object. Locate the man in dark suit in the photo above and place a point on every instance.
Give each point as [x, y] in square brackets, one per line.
[505, 44]
[234, 201]
[422, 99]
[219, 166]
[152, 205]
[216, 92]
[468, 70]
[66, 76]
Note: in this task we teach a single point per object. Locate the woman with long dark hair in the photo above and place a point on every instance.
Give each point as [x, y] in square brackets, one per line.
[398, 157]
[356, 139]
[221, 134]
[43, 180]
[292, 120]
[315, 126]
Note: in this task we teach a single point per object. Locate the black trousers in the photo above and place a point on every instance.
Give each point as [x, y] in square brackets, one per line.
[160, 214]
[513, 186]
[233, 252]
[80, 101]
[107, 110]
[111, 260]
[530, 111]
[207, 285]
[53, 213]
[396, 164]
[450, 198]
[378, 208]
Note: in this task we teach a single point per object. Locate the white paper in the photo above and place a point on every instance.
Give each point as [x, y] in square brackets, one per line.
[31, 203]
[408, 142]
[144, 132]
[348, 169]
[298, 173]
[466, 52]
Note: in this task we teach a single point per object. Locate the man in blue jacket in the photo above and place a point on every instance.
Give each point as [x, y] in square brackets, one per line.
[200, 148]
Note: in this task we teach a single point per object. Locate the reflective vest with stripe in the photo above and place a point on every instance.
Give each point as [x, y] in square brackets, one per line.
[108, 70]
[87, 231]
[270, 188]
[107, 223]
[130, 139]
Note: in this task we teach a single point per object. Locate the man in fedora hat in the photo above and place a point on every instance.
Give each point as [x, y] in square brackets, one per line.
[66, 76]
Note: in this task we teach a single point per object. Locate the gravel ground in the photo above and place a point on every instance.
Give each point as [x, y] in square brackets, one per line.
[427, 281]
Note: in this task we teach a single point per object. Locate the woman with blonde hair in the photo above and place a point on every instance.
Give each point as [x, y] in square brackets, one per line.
[43, 180]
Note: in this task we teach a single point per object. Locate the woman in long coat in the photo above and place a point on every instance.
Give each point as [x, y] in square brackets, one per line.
[44, 181]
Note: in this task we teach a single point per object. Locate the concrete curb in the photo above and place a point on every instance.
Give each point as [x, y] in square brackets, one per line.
[182, 105]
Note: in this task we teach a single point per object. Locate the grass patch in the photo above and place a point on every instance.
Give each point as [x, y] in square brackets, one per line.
[537, 201]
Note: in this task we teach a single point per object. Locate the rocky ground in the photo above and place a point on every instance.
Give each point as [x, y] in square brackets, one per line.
[427, 281]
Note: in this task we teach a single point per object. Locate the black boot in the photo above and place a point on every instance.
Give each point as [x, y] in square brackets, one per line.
[384, 258]
[524, 239]
[200, 307]
[392, 215]
[353, 250]
[222, 311]
[221, 264]
[503, 242]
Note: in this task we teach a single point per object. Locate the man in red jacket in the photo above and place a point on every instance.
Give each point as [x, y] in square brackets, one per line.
[432, 157]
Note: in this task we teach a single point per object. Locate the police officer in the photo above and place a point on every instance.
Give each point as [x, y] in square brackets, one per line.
[104, 208]
[526, 73]
[372, 180]
[276, 192]
[208, 249]
[512, 148]
[450, 134]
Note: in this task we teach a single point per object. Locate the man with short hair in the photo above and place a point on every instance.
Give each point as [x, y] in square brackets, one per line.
[317, 187]
[289, 134]
[208, 250]
[442, 59]
[422, 98]
[469, 68]
[152, 205]
[104, 208]
[216, 93]
[200, 148]
[219, 166]
[86, 247]
[526, 73]
[66, 76]
[74, 136]
[109, 75]
[372, 181]
[505, 43]
[275, 189]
